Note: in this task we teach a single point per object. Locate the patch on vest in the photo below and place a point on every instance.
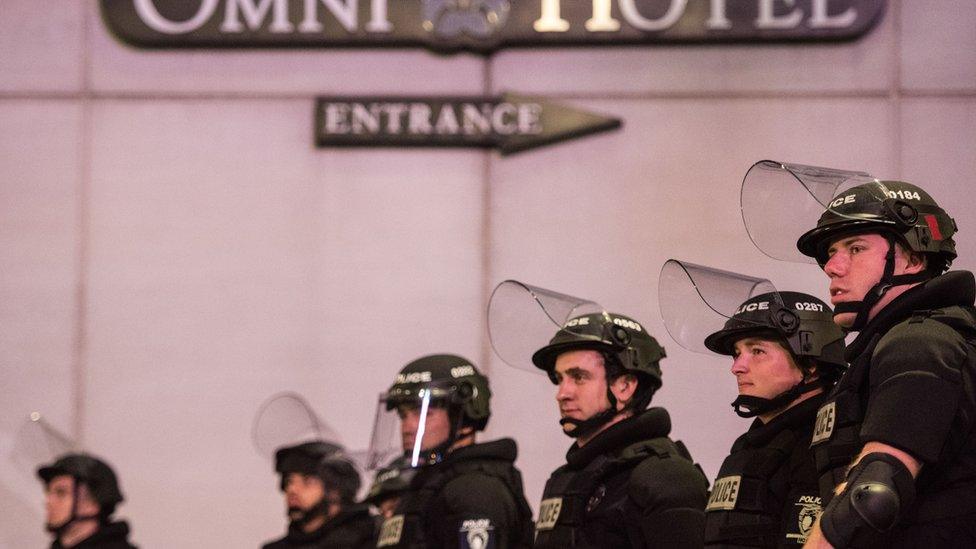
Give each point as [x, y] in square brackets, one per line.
[808, 509]
[391, 531]
[476, 534]
[549, 513]
[824, 427]
[724, 494]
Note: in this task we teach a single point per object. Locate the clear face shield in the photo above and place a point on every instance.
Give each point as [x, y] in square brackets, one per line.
[780, 202]
[523, 319]
[710, 310]
[412, 422]
[287, 419]
[37, 442]
[697, 301]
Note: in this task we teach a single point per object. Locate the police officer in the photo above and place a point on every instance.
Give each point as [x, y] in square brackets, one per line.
[625, 483]
[786, 352]
[319, 484]
[464, 493]
[899, 440]
[81, 493]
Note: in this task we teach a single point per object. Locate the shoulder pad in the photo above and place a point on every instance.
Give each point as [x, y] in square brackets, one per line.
[666, 481]
[660, 447]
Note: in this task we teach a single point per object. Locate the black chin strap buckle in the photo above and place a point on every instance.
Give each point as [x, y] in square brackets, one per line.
[881, 288]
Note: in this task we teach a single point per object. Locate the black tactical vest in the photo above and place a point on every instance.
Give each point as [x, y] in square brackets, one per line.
[836, 432]
[741, 509]
[572, 498]
[408, 528]
[944, 487]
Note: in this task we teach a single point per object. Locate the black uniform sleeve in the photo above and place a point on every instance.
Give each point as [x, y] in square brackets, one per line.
[476, 511]
[916, 385]
[670, 495]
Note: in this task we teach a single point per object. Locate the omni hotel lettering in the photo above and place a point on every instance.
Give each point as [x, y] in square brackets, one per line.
[481, 25]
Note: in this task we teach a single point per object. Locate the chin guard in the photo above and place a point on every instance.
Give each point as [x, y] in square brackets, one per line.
[320, 509]
[878, 489]
[747, 406]
[586, 427]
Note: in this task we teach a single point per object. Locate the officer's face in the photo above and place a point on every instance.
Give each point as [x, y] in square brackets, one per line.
[763, 368]
[59, 495]
[581, 385]
[302, 492]
[856, 264]
[437, 427]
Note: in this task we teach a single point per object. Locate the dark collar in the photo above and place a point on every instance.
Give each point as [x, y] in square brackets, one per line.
[112, 532]
[796, 418]
[349, 513]
[352, 512]
[651, 423]
[952, 288]
[504, 449]
[297, 535]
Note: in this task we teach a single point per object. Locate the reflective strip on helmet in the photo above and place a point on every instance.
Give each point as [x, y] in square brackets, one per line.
[933, 224]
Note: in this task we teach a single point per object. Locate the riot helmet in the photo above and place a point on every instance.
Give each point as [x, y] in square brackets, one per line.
[624, 342]
[443, 381]
[324, 460]
[92, 472]
[903, 214]
[895, 208]
[390, 481]
[531, 326]
[389, 484]
[709, 309]
[847, 203]
[804, 322]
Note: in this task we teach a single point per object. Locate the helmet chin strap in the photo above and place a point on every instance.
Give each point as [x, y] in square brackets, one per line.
[437, 453]
[431, 455]
[874, 295]
[586, 427]
[320, 509]
[59, 531]
[751, 406]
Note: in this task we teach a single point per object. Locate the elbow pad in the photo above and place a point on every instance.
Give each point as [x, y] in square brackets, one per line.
[878, 488]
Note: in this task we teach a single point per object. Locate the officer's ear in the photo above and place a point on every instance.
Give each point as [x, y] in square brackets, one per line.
[623, 388]
[915, 262]
[86, 506]
[332, 496]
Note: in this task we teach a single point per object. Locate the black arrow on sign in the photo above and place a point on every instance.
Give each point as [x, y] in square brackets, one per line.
[510, 123]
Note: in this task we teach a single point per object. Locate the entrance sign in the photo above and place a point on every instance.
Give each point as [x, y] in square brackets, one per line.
[509, 123]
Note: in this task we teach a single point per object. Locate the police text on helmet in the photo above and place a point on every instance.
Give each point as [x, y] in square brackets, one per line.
[413, 377]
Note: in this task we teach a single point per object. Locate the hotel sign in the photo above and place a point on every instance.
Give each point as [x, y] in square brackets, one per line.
[509, 123]
[481, 25]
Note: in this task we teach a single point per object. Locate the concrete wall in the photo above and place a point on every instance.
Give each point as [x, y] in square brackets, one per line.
[173, 250]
